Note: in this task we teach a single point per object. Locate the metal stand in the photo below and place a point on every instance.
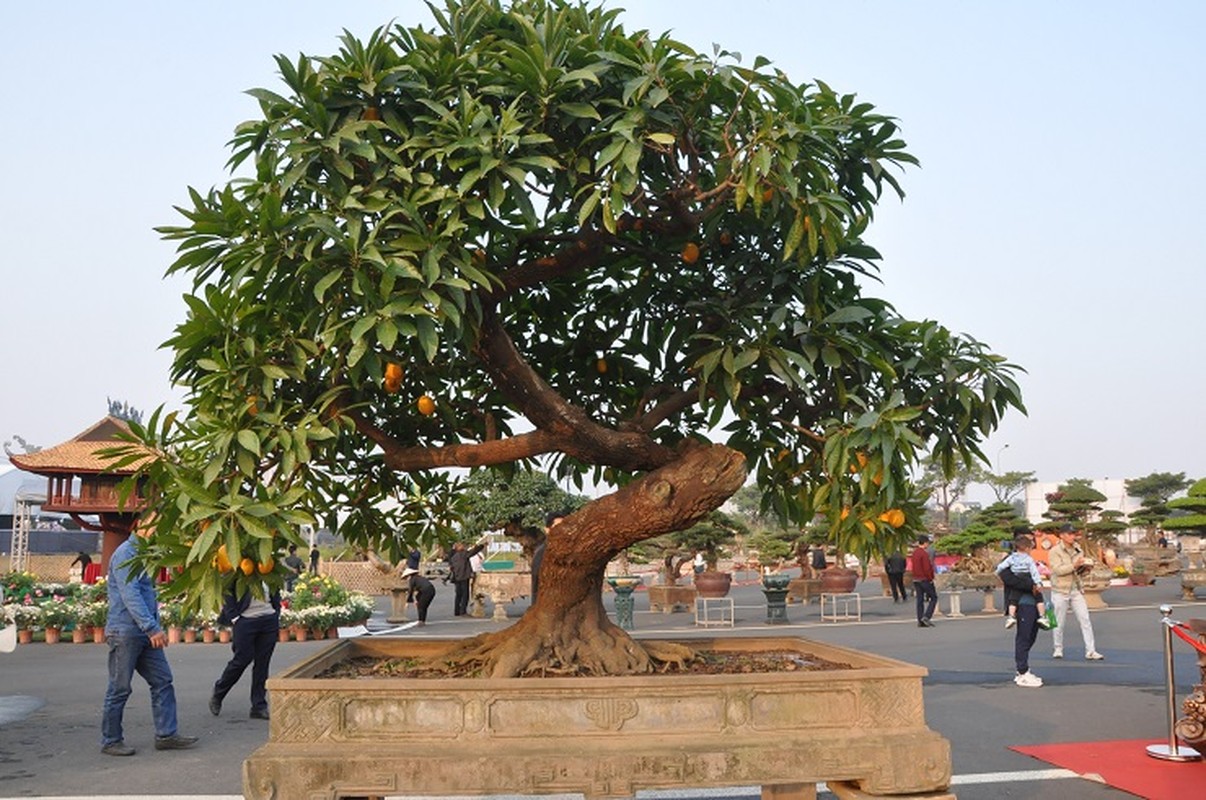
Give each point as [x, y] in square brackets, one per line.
[1171, 751]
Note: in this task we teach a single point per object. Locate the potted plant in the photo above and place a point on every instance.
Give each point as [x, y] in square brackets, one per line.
[57, 613]
[706, 539]
[27, 617]
[171, 615]
[92, 615]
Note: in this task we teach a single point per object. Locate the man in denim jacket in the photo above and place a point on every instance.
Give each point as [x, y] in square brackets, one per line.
[136, 643]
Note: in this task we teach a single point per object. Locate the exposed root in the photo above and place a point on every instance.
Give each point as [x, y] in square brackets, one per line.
[520, 652]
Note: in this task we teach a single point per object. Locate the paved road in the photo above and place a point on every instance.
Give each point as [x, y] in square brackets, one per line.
[50, 697]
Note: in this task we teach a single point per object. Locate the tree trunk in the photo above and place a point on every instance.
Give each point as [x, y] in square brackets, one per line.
[567, 630]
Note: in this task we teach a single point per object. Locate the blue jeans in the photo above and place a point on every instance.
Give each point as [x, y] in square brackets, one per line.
[127, 655]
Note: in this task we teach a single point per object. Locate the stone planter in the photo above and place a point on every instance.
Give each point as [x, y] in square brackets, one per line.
[1192, 579]
[602, 737]
[803, 589]
[667, 599]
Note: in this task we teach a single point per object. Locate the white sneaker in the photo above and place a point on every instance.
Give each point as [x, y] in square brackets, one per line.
[1059, 653]
[1094, 656]
[1029, 680]
[1010, 622]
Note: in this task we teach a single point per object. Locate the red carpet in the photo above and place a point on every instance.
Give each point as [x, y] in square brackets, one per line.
[1125, 764]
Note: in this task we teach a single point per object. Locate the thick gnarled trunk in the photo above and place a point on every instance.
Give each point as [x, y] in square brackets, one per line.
[567, 630]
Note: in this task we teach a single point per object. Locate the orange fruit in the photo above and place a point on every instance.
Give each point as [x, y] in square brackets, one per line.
[265, 567]
[893, 516]
[601, 366]
[690, 253]
[878, 480]
[253, 407]
[371, 113]
[845, 513]
[869, 525]
[222, 561]
[426, 405]
[767, 195]
[393, 378]
[247, 565]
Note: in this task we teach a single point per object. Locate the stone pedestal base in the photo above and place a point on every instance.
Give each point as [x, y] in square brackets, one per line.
[397, 605]
[668, 599]
[603, 737]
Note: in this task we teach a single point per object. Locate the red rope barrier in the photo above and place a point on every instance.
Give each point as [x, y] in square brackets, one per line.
[1193, 640]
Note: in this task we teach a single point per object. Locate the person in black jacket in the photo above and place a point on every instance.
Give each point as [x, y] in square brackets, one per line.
[461, 573]
[421, 592]
[895, 566]
[255, 626]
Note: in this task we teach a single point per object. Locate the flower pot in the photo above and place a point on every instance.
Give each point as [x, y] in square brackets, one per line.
[208, 635]
[838, 580]
[282, 635]
[300, 633]
[24, 636]
[713, 584]
[189, 635]
[332, 632]
[98, 634]
[173, 634]
[52, 635]
[318, 633]
[224, 636]
[78, 635]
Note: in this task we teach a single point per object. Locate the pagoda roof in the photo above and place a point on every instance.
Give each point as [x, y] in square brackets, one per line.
[81, 453]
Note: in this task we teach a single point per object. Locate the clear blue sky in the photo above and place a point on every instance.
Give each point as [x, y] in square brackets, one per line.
[1053, 216]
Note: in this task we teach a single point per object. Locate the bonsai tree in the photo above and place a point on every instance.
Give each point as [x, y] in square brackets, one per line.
[530, 234]
[708, 537]
[1189, 512]
[1153, 492]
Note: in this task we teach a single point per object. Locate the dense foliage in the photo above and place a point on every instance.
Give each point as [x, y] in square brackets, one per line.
[529, 233]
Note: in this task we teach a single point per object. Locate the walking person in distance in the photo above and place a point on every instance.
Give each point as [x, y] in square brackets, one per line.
[255, 624]
[923, 582]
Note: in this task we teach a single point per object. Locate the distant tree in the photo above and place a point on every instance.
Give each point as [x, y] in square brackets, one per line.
[710, 536]
[123, 410]
[988, 530]
[490, 500]
[1007, 485]
[1190, 511]
[1153, 492]
[947, 481]
[1074, 503]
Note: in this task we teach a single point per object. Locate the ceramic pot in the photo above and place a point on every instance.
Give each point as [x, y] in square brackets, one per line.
[713, 584]
[838, 580]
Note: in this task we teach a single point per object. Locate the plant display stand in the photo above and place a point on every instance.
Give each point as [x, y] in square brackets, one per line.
[714, 611]
[863, 725]
[954, 602]
[842, 606]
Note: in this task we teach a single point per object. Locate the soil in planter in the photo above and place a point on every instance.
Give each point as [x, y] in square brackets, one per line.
[706, 662]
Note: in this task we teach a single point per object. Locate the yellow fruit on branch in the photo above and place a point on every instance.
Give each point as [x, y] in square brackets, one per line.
[893, 516]
[690, 253]
[878, 480]
[869, 524]
[845, 513]
[426, 405]
[265, 567]
[222, 561]
[247, 566]
[601, 366]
